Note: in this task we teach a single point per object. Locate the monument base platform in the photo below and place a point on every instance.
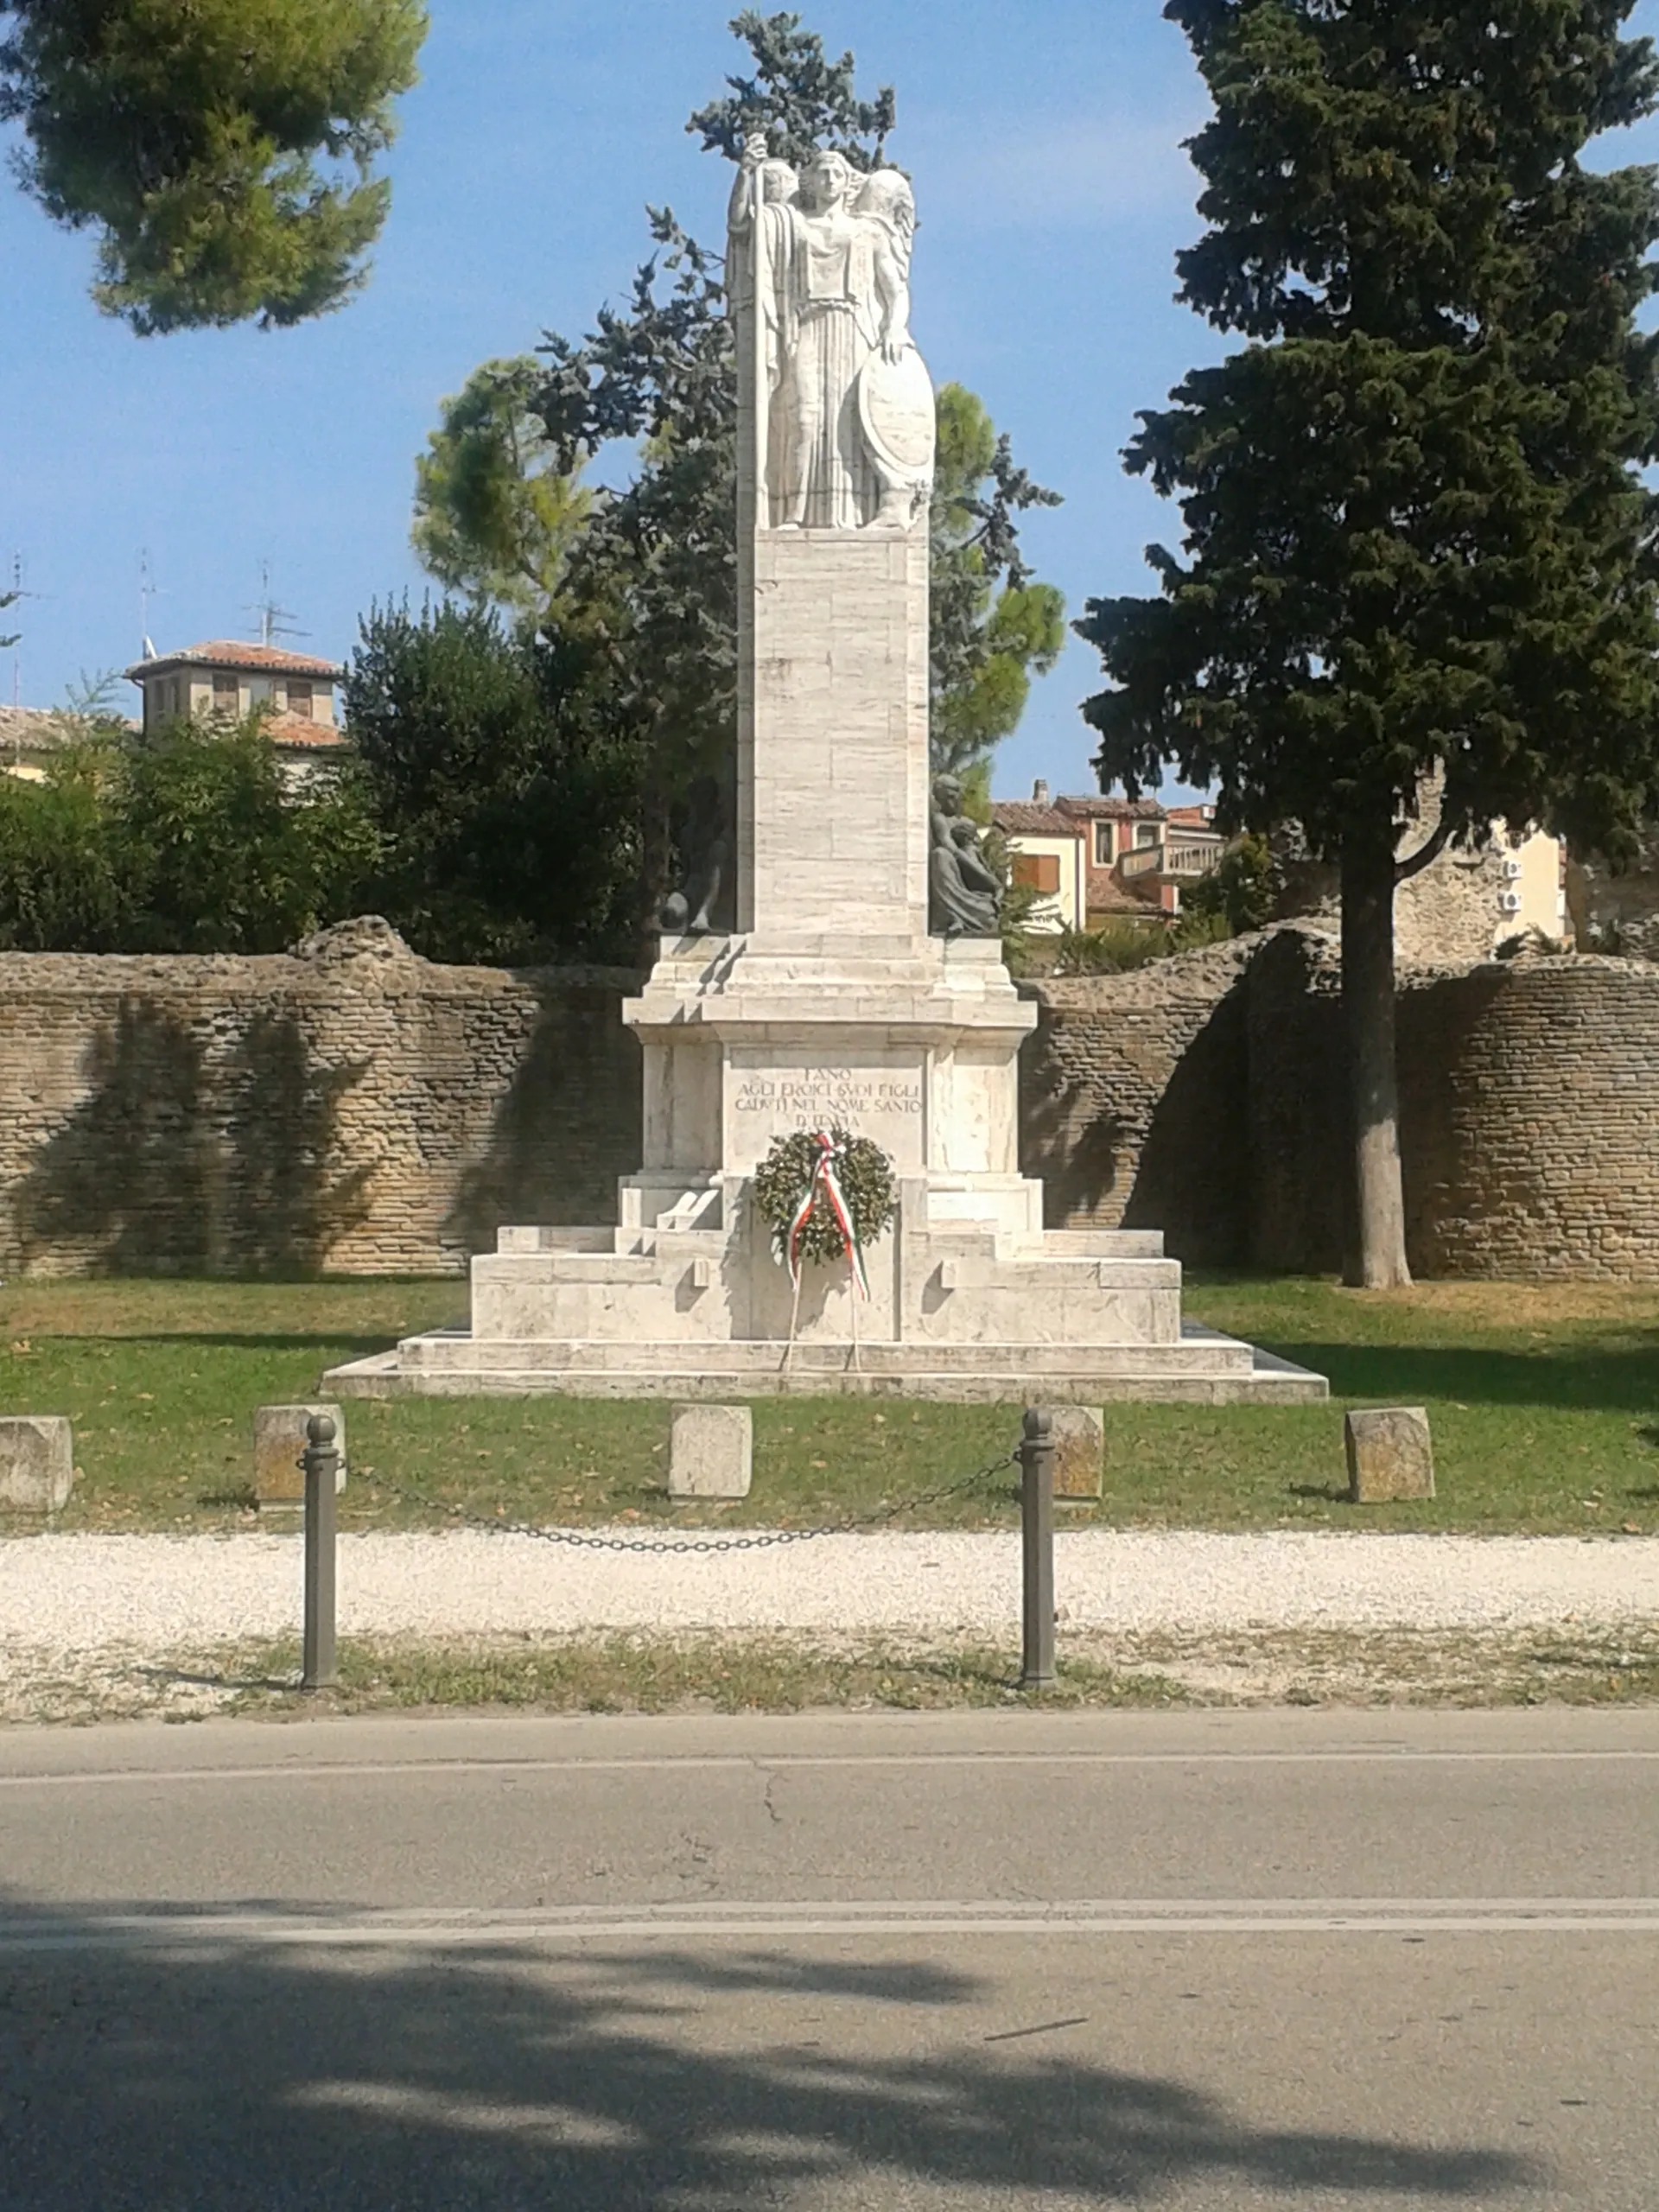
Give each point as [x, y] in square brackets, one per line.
[1202, 1370]
[956, 1316]
[915, 1044]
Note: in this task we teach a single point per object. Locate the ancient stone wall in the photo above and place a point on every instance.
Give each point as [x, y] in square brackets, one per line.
[1531, 1120]
[351, 1108]
[1529, 1106]
[1134, 1101]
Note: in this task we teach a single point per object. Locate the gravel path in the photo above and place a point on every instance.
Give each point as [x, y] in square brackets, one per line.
[82, 1594]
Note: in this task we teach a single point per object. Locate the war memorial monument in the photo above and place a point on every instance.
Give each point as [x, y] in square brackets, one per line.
[832, 962]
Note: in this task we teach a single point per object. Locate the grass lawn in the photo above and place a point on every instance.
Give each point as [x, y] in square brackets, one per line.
[1544, 1400]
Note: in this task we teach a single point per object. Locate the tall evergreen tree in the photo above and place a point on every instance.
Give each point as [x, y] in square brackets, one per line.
[222, 150]
[1417, 541]
[991, 624]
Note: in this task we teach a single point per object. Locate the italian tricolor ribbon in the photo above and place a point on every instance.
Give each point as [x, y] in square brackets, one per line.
[824, 1187]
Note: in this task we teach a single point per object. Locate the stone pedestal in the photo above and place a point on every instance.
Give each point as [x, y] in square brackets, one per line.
[37, 1463]
[711, 1452]
[1390, 1454]
[279, 1438]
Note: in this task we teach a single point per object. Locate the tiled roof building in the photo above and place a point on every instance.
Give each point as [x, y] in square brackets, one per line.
[228, 677]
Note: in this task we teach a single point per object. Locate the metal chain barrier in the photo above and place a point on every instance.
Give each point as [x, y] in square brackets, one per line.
[761, 1540]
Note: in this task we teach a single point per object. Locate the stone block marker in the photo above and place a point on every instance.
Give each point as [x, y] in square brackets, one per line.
[712, 1451]
[37, 1462]
[1389, 1455]
[1079, 1454]
[278, 1441]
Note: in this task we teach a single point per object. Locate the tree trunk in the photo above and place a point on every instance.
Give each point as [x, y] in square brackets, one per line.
[1377, 1260]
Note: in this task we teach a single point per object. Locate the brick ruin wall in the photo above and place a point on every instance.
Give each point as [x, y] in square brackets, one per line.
[352, 1109]
[1133, 1100]
[1529, 1110]
[356, 1110]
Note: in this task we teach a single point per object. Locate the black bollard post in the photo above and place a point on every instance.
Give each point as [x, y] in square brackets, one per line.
[321, 1460]
[1037, 1532]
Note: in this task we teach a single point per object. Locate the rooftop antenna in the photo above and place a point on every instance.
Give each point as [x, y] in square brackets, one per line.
[148, 589]
[274, 622]
[18, 589]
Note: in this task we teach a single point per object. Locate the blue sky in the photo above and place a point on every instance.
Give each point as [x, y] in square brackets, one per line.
[1045, 141]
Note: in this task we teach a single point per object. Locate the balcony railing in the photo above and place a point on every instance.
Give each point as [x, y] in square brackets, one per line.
[1187, 857]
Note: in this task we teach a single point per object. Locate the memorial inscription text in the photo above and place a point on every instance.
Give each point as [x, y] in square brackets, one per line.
[812, 1096]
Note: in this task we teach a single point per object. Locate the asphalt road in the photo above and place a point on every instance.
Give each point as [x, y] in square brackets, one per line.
[1216, 1961]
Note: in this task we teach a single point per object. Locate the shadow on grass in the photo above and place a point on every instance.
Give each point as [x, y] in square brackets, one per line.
[1589, 1381]
[232, 2074]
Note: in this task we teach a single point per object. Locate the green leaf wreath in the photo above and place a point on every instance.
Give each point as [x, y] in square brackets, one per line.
[868, 1183]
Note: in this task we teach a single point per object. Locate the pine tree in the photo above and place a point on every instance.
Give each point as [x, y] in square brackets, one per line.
[1417, 541]
[222, 150]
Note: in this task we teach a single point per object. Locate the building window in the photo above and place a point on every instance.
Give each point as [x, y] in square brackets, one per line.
[299, 700]
[228, 695]
[1145, 833]
[1103, 852]
[1039, 872]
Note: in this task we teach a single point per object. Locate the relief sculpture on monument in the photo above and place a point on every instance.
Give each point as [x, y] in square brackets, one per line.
[824, 257]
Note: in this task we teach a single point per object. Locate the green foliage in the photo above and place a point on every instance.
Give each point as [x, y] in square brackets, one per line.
[649, 596]
[8, 599]
[221, 856]
[61, 886]
[182, 841]
[798, 96]
[223, 150]
[1240, 890]
[493, 517]
[1117, 947]
[1416, 532]
[506, 804]
[1113, 949]
[868, 1183]
[992, 625]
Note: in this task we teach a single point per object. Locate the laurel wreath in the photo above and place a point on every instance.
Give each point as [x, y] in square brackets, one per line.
[868, 1183]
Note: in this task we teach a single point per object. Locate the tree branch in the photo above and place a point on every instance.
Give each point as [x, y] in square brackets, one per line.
[1425, 856]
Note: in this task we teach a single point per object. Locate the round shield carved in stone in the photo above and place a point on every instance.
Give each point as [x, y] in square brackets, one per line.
[895, 409]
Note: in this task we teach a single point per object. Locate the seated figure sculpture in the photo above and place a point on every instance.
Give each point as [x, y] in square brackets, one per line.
[963, 893]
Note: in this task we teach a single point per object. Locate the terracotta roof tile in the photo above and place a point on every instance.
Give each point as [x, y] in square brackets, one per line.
[1112, 810]
[1018, 815]
[233, 653]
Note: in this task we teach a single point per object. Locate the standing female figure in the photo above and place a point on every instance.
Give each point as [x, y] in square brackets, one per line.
[841, 296]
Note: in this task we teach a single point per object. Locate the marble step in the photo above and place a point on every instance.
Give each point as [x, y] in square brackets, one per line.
[458, 1352]
[1003, 1375]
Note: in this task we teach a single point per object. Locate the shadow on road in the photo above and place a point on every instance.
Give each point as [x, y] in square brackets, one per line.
[241, 2077]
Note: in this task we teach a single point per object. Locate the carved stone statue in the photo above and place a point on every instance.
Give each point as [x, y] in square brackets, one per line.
[963, 893]
[821, 284]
